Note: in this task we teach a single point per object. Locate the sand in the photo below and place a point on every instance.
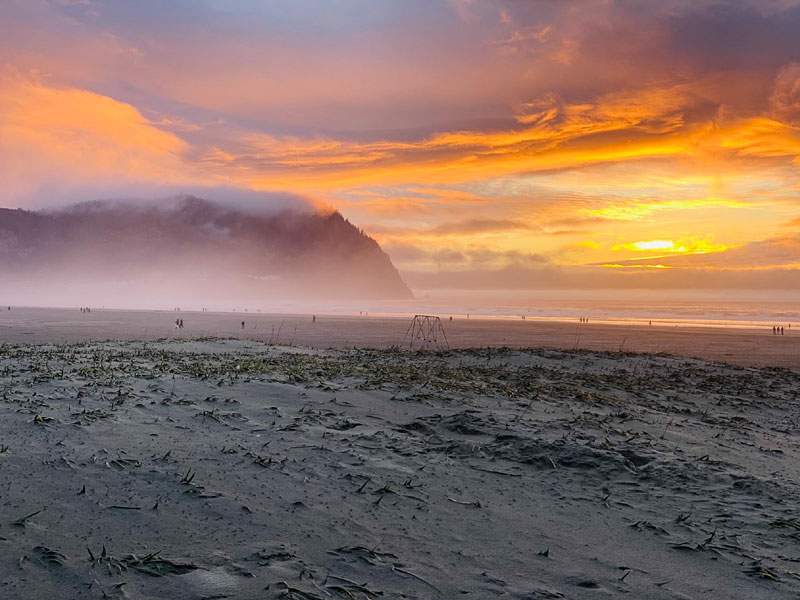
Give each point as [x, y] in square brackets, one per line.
[233, 469]
[745, 347]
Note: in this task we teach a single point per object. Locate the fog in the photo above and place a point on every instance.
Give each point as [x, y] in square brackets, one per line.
[190, 251]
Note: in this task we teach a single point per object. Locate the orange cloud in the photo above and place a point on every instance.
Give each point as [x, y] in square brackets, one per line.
[638, 209]
[70, 134]
[77, 134]
[619, 127]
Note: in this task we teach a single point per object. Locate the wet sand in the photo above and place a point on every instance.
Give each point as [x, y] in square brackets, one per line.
[230, 469]
[745, 347]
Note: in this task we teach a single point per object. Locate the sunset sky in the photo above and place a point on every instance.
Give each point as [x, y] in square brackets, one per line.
[496, 143]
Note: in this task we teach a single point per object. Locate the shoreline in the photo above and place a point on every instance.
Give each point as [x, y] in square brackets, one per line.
[742, 347]
[683, 319]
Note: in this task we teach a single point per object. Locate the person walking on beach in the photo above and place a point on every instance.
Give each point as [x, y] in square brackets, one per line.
[781, 330]
[242, 324]
[313, 318]
[181, 324]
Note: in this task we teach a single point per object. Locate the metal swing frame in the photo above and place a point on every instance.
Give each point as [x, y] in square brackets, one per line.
[426, 332]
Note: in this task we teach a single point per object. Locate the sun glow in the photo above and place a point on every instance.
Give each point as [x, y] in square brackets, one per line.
[670, 246]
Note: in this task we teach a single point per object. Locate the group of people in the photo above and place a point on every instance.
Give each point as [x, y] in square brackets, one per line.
[178, 323]
[84, 309]
[777, 330]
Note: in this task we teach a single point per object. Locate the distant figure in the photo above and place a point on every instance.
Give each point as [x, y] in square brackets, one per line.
[781, 330]
[313, 318]
[650, 323]
[242, 324]
[177, 323]
[773, 330]
[181, 324]
[451, 318]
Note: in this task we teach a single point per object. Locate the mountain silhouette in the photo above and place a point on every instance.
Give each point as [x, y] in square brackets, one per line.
[193, 251]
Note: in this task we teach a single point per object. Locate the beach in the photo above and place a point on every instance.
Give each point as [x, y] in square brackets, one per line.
[734, 345]
[231, 468]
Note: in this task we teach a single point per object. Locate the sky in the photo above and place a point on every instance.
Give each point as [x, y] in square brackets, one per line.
[483, 143]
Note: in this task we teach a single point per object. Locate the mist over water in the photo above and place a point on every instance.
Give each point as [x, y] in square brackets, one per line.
[637, 307]
[675, 312]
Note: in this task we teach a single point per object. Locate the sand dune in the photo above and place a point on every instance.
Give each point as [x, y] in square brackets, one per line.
[231, 469]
